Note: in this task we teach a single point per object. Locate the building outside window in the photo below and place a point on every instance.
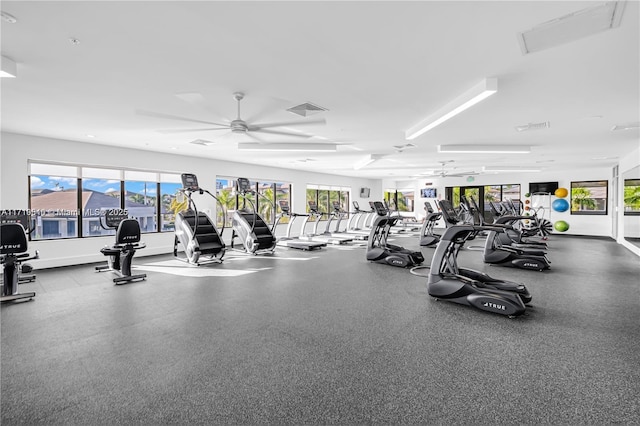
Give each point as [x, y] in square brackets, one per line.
[589, 197]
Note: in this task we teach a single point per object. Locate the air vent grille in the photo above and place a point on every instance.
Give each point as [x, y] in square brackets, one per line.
[533, 126]
[306, 109]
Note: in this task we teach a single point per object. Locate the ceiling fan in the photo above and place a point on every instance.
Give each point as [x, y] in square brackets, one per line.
[445, 173]
[237, 126]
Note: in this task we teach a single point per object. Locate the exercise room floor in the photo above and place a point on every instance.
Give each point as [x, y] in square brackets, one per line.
[324, 337]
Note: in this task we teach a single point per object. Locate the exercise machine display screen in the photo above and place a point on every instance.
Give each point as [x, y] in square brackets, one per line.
[380, 208]
[244, 186]
[190, 181]
[284, 206]
[313, 206]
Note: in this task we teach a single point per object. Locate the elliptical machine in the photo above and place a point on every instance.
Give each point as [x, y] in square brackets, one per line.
[427, 237]
[447, 281]
[379, 251]
[195, 230]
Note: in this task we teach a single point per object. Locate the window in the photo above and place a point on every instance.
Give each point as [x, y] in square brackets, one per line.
[632, 196]
[589, 197]
[101, 189]
[53, 201]
[266, 203]
[60, 210]
[169, 186]
[140, 196]
[325, 196]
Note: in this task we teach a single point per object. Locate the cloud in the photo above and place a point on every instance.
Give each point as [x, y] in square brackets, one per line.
[36, 182]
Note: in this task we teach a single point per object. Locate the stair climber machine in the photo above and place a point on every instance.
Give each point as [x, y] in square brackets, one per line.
[254, 233]
[13, 252]
[288, 240]
[427, 237]
[379, 251]
[195, 230]
[448, 281]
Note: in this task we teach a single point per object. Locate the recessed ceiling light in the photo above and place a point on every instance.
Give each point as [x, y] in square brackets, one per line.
[91, 136]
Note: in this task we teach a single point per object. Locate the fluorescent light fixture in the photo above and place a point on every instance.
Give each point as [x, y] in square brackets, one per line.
[9, 68]
[311, 147]
[503, 169]
[483, 149]
[626, 126]
[367, 160]
[571, 27]
[480, 91]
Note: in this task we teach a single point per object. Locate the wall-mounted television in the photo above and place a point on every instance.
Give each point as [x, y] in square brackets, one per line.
[549, 187]
[365, 192]
[428, 193]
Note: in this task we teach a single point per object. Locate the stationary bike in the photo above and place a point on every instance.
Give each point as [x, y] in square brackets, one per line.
[13, 251]
[120, 254]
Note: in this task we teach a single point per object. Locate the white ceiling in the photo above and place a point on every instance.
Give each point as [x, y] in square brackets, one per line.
[378, 67]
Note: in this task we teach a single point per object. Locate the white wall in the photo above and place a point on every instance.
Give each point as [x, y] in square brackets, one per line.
[16, 150]
[600, 225]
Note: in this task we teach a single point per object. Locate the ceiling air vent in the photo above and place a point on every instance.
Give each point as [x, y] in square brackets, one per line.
[400, 148]
[533, 126]
[571, 27]
[201, 142]
[306, 109]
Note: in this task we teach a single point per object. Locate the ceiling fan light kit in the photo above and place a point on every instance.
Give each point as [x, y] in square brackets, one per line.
[477, 93]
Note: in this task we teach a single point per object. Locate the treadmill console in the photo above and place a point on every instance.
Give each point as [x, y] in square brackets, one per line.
[244, 186]
[336, 206]
[190, 182]
[380, 208]
[313, 206]
[284, 206]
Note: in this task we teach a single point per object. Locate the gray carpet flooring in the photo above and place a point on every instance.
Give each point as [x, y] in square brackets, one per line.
[324, 337]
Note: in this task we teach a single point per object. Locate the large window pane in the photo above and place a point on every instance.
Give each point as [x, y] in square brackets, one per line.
[631, 196]
[589, 197]
[266, 201]
[225, 193]
[283, 192]
[98, 195]
[169, 205]
[140, 203]
[53, 202]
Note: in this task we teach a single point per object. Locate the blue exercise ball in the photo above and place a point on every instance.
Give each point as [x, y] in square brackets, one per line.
[560, 205]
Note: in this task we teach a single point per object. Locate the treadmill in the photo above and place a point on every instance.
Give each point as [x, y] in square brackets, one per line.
[314, 236]
[288, 240]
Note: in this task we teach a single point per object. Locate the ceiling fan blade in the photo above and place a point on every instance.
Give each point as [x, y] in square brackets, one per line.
[289, 123]
[175, 117]
[276, 132]
[197, 99]
[192, 130]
